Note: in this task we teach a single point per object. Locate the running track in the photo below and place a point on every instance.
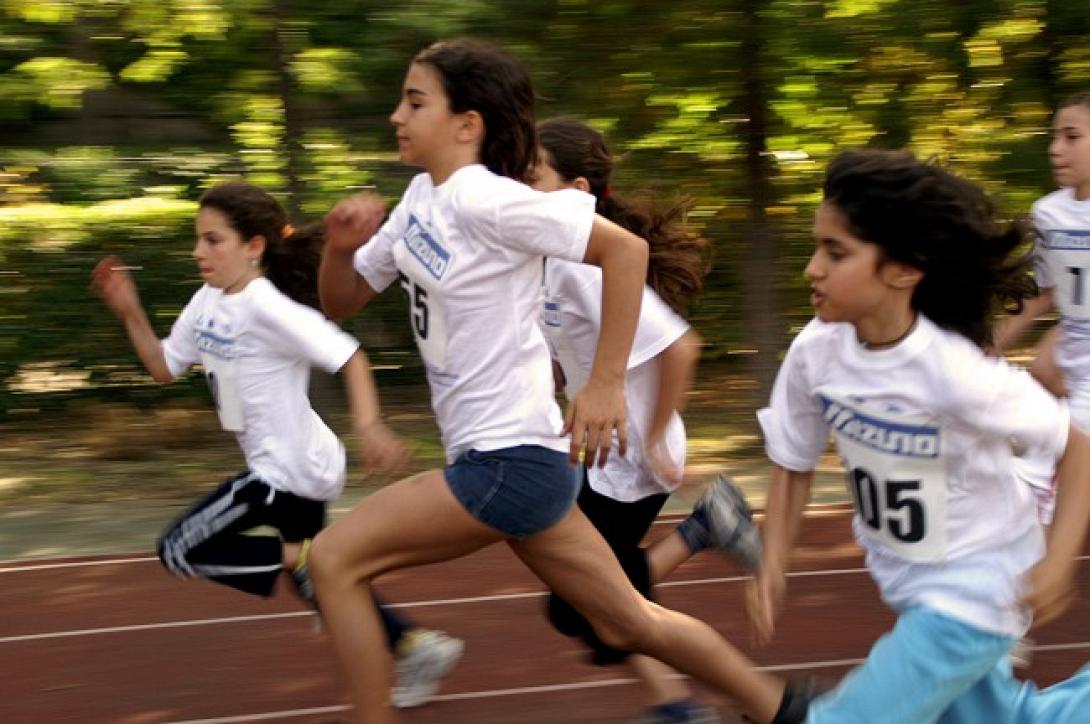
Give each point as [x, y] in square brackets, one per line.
[118, 640]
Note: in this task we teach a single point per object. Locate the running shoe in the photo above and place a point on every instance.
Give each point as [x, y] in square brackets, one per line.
[423, 658]
[730, 522]
[684, 712]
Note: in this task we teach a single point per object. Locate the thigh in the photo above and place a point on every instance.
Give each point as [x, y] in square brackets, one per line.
[236, 505]
[411, 522]
[914, 673]
[574, 560]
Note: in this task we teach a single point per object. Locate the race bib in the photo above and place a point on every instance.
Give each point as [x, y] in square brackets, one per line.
[1068, 261]
[896, 474]
[423, 262]
[222, 376]
[574, 376]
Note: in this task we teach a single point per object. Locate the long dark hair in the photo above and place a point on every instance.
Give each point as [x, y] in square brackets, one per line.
[482, 77]
[678, 260]
[291, 258]
[926, 217]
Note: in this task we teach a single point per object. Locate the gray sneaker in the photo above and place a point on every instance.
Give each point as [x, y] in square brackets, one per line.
[730, 522]
[428, 656]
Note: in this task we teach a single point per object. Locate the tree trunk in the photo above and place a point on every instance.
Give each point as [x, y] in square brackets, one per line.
[762, 303]
[293, 123]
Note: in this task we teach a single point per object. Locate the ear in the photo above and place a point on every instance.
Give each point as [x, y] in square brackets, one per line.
[901, 276]
[471, 128]
[256, 247]
[581, 183]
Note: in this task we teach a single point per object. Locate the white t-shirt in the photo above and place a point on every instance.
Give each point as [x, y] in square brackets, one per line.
[1062, 223]
[571, 321]
[925, 432]
[468, 254]
[257, 347]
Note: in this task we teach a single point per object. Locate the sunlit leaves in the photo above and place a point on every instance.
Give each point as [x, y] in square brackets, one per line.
[60, 82]
[327, 70]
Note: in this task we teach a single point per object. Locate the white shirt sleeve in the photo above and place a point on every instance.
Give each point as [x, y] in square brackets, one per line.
[1001, 400]
[554, 224]
[374, 261]
[658, 328]
[793, 425]
[180, 346]
[299, 329]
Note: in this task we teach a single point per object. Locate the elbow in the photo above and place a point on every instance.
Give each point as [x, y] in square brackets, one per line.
[163, 377]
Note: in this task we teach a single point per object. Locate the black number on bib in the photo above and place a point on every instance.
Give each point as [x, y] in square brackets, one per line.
[1076, 285]
[899, 510]
[213, 388]
[418, 300]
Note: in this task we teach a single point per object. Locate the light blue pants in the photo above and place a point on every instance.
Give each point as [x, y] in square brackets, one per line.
[932, 668]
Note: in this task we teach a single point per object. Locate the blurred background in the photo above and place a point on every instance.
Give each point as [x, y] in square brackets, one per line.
[116, 114]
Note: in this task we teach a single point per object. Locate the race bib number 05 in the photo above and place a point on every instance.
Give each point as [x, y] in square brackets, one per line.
[896, 475]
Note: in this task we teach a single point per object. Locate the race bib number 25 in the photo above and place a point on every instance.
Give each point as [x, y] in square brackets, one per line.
[896, 475]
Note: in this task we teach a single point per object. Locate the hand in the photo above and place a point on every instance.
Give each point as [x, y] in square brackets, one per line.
[764, 596]
[381, 449]
[353, 221]
[115, 286]
[592, 416]
[662, 465]
[1050, 589]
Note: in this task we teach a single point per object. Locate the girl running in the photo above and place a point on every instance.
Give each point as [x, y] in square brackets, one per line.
[467, 243]
[254, 329]
[1062, 224]
[623, 498]
[909, 267]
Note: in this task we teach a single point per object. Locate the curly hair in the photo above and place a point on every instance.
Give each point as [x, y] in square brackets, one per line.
[678, 260]
[926, 217]
[478, 76]
[289, 262]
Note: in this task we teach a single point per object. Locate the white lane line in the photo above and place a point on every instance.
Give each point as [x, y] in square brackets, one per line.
[408, 604]
[816, 510]
[573, 686]
[494, 693]
[77, 564]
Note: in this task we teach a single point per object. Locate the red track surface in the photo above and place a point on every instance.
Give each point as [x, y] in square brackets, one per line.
[125, 642]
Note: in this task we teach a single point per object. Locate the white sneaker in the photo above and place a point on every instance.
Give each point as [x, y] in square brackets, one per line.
[423, 659]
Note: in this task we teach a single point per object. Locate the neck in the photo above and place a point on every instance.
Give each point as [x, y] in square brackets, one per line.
[888, 334]
[1082, 191]
[238, 285]
[444, 168]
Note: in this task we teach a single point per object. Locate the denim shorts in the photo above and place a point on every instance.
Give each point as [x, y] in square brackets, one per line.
[518, 490]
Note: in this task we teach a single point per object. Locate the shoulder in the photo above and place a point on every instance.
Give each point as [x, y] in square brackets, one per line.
[269, 303]
[1050, 203]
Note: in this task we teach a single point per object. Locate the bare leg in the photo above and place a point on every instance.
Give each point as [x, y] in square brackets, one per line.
[666, 554]
[573, 560]
[412, 522]
[660, 683]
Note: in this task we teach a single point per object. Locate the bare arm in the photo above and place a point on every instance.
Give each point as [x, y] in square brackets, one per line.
[788, 493]
[599, 408]
[118, 291]
[676, 365]
[1011, 329]
[379, 446]
[1052, 580]
[351, 223]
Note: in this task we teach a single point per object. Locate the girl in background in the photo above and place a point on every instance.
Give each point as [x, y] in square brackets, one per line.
[623, 498]
[254, 328]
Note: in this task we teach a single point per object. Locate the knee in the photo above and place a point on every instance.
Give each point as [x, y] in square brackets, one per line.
[331, 565]
[628, 630]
